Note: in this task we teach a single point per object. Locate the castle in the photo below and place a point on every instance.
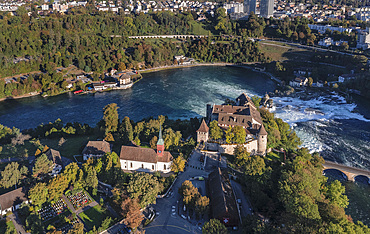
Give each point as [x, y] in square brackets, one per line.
[243, 113]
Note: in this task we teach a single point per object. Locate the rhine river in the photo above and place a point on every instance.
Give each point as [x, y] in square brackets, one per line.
[339, 131]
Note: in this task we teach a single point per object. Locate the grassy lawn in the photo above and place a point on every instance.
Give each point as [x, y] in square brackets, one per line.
[198, 28]
[72, 146]
[7, 226]
[281, 52]
[94, 217]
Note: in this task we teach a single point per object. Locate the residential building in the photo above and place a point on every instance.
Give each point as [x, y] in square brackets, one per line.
[298, 82]
[323, 28]
[363, 41]
[134, 158]
[267, 8]
[250, 6]
[345, 77]
[12, 200]
[223, 201]
[54, 156]
[96, 149]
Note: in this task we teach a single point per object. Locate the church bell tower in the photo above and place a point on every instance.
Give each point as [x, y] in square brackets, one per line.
[160, 143]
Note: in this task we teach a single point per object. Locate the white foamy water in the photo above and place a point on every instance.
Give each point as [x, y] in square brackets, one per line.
[317, 114]
[293, 110]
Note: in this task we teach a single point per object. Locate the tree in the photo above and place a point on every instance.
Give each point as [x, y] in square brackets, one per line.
[34, 224]
[110, 117]
[57, 186]
[38, 194]
[335, 194]
[241, 155]
[201, 205]
[215, 132]
[153, 142]
[126, 130]
[70, 172]
[78, 228]
[178, 164]
[300, 186]
[229, 135]
[256, 99]
[310, 81]
[254, 165]
[189, 193]
[11, 175]
[239, 134]
[214, 226]
[91, 178]
[42, 166]
[131, 212]
[144, 187]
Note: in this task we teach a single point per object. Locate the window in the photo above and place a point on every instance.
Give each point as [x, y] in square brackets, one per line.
[164, 166]
[142, 165]
[131, 165]
[153, 167]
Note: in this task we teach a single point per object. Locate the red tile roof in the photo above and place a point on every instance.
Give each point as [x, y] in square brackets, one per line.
[139, 154]
[203, 127]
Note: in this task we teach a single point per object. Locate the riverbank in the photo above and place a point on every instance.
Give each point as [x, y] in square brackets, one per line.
[32, 94]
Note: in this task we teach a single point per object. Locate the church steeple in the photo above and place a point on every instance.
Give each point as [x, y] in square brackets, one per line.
[160, 143]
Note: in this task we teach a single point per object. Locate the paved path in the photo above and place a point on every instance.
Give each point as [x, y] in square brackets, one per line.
[92, 204]
[69, 204]
[17, 223]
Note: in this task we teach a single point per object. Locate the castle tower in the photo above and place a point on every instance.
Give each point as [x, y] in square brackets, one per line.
[202, 132]
[262, 140]
[160, 143]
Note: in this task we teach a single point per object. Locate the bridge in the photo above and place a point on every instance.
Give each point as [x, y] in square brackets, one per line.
[350, 172]
[169, 36]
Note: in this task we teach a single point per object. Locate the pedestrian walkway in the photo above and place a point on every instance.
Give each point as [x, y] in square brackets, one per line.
[17, 223]
[69, 204]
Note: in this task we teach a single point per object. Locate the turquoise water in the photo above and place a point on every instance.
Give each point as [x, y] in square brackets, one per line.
[180, 93]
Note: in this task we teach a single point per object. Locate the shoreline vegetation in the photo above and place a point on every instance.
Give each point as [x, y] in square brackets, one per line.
[157, 69]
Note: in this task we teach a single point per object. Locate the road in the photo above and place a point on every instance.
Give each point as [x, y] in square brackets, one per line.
[246, 208]
[166, 222]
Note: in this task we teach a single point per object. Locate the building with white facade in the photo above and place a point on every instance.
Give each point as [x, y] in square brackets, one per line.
[363, 41]
[323, 28]
[134, 158]
[12, 200]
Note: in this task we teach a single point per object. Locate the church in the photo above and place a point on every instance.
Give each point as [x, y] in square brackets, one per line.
[242, 113]
[135, 158]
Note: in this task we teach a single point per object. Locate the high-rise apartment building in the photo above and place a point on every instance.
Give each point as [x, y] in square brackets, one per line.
[267, 8]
